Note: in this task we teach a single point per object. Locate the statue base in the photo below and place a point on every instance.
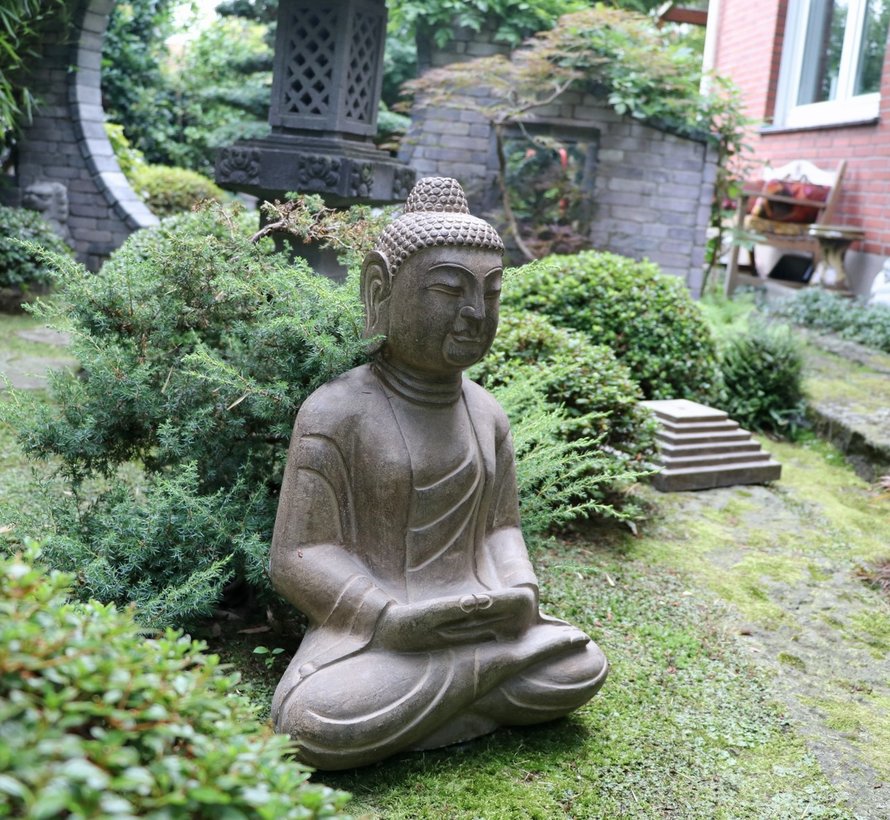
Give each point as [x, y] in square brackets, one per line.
[344, 172]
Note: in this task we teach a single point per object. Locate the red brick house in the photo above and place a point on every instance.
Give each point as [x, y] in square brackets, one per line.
[814, 74]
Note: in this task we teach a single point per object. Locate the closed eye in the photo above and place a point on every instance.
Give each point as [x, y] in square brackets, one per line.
[450, 290]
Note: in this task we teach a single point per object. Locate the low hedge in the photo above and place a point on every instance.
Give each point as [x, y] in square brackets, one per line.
[648, 319]
[168, 190]
[96, 720]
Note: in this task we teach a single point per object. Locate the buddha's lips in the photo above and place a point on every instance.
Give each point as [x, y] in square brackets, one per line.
[467, 339]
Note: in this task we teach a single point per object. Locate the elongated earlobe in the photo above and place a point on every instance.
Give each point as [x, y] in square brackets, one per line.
[376, 290]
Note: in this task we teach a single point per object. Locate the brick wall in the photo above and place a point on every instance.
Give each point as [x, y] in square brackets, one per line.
[651, 190]
[66, 141]
[749, 44]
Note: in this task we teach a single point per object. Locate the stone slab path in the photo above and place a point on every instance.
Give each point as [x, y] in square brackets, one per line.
[27, 354]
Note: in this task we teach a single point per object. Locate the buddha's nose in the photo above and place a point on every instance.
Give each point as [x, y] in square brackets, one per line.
[475, 312]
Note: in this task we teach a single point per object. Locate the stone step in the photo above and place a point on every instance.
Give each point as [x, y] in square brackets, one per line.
[670, 451]
[684, 412]
[690, 462]
[684, 439]
[705, 478]
[700, 426]
[700, 447]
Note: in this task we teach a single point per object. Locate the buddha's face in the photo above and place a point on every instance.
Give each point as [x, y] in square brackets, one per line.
[443, 312]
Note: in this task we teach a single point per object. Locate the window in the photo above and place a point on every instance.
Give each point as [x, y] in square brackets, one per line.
[832, 61]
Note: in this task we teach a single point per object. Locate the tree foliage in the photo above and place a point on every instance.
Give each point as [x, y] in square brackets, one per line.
[22, 28]
[621, 56]
[512, 20]
[177, 109]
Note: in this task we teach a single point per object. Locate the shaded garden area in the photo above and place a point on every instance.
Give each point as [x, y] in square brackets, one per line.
[748, 628]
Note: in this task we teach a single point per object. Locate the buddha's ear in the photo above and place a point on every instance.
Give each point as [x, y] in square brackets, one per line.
[376, 290]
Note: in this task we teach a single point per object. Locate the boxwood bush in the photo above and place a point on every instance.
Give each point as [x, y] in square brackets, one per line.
[592, 390]
[23, 270]
[762, 370]
[647, 318]
[96, 720]
[167, 190]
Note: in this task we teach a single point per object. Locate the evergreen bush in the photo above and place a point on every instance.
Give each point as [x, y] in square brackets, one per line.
[763, 377]
[648, 319]
[197, 348]
[99, 721]
[560, 479]
[23, 268]
[822, 310]
[167, 191]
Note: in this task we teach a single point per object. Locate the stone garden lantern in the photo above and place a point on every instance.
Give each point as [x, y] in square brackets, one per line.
[325, 91]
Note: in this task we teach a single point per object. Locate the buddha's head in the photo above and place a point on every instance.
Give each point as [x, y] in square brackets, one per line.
[432, 284]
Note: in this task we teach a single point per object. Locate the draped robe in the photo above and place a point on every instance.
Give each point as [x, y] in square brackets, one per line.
[362, 525]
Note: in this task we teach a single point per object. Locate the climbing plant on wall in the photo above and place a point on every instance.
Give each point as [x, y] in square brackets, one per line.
[621, 56]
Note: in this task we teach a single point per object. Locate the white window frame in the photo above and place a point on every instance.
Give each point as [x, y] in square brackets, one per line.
[845, 107]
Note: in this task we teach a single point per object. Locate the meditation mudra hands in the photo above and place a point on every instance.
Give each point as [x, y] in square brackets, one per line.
[501, 615]
[398, 528]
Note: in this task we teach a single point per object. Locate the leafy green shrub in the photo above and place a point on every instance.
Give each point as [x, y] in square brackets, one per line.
[648, 319]
[98, 720]
[762, 373]
[822, 310]
[592, 391]
[600, 397]
[20, 266]
[197, 349]
[168, 190]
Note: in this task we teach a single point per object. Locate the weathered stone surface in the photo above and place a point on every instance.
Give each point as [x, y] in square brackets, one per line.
[849, 389]
[398, 528]
[699, 448]
[46, 336]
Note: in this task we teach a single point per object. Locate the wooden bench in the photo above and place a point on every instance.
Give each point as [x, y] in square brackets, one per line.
[785, 235]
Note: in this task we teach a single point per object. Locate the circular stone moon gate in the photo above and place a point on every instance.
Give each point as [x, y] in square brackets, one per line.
[66, 141]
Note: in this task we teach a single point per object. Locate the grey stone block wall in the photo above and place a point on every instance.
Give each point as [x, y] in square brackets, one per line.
[652, 189]
[66, 140]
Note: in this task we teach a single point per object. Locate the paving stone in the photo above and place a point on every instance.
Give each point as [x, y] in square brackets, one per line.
[25, 372]
[45, 335]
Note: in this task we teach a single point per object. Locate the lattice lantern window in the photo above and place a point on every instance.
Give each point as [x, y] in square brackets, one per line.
[328, 66]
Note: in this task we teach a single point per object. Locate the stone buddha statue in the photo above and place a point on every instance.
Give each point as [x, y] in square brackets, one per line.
[398, 525]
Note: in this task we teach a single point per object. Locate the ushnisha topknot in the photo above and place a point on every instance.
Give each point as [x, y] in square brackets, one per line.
[436, 213]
